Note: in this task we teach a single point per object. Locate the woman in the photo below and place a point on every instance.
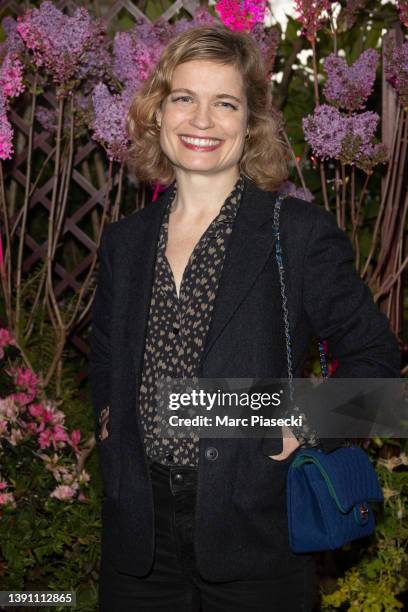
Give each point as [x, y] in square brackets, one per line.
[189, 286]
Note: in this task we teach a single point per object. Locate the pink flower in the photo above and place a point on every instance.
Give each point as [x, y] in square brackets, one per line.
[6, 132]
[11, 76]
[3, 485]
[16, 436]
[58, 42]
[310, 16]
[63, 492]
[26, 378]
[8, 408]
[27, 381]
[44, 439]
[75, 439]
[108, 126]
[241, 16]
[59, 434]
[6, 339]
[7, 499]
[403, 11]
[36, 410]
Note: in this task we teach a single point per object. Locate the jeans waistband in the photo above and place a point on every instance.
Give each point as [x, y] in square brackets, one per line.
[180, 478]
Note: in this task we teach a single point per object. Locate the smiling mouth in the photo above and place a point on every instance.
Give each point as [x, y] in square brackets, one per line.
[200, 144]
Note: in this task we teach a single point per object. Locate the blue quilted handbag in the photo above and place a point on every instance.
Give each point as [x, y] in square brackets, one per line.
[328, 494]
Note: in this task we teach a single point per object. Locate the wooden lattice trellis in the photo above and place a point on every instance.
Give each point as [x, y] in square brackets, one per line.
[89, 173]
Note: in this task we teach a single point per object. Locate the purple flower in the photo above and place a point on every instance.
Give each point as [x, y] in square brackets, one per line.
[403, 11]
[241, 15]
[267, 40]
[13, 42]
[311, 16]
[95, 64]
[201, 17]
[136, 53]
[349, 138]
[6, 131]
[325, 131]
[396, 71]
[348, 87]
[109, 123]
[364, 126]
[58, 42]
[11, 76]
[46, 117]
[289, 188]
[365, 153]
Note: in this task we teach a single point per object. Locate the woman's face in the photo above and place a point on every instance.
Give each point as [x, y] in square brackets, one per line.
[214, 107]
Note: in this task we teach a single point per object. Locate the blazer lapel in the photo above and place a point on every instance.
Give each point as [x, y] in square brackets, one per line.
[252, 241]
[250, 247]
[142, 249]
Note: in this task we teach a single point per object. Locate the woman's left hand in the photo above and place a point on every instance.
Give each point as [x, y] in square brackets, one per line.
[290, 443]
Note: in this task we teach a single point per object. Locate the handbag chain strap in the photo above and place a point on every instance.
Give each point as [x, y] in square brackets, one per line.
[278, 254]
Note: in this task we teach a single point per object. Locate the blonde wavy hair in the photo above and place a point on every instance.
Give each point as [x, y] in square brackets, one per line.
[265, 155]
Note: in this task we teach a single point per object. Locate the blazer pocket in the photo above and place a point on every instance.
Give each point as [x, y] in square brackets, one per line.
[103, 424]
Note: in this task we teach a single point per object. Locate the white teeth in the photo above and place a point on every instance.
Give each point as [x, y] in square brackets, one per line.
[200, 142]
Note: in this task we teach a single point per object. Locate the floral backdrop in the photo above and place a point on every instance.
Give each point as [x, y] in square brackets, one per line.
[339, 78]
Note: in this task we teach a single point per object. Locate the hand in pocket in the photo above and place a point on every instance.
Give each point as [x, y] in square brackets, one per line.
[290, 444]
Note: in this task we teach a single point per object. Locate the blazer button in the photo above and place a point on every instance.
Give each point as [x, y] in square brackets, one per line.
[211, 453]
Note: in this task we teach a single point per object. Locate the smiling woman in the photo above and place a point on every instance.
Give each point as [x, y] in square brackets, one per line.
[189, 287]
[197, 84]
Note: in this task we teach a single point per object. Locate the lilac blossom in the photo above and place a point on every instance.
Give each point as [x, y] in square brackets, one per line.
[109, 124]
[349, 87]
[11, 76]
[46, 117]
[136, 53]
[13, 42]
[403, 11]
[133, 59]
[289, 188]
[396, 71]
[58, 42]
[358, 146]
[325, 130]
[201, 17]
[348, 138]
[364, 126]
[96, 60]
[241, 15]
[310, 15]
[6, 131]
[267, 40]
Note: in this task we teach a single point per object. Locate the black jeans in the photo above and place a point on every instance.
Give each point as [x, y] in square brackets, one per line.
[174, 584]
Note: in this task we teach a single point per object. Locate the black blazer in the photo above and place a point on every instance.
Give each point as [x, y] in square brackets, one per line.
[241, 523]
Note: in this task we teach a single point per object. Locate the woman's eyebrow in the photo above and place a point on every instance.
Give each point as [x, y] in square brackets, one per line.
[223, 95]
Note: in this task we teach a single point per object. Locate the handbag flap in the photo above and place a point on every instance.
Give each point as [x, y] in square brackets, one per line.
[347, 472]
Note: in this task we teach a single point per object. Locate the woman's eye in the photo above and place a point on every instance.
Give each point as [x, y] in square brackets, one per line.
[231, 105]
[189, 98]
[180, 98]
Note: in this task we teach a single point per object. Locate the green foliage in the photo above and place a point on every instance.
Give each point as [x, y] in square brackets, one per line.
[375, 581]
[47, 543]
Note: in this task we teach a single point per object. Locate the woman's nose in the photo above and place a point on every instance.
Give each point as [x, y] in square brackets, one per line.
[202, 116]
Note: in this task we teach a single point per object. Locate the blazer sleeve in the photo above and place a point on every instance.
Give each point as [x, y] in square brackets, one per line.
[100, 338]
[342, 311]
